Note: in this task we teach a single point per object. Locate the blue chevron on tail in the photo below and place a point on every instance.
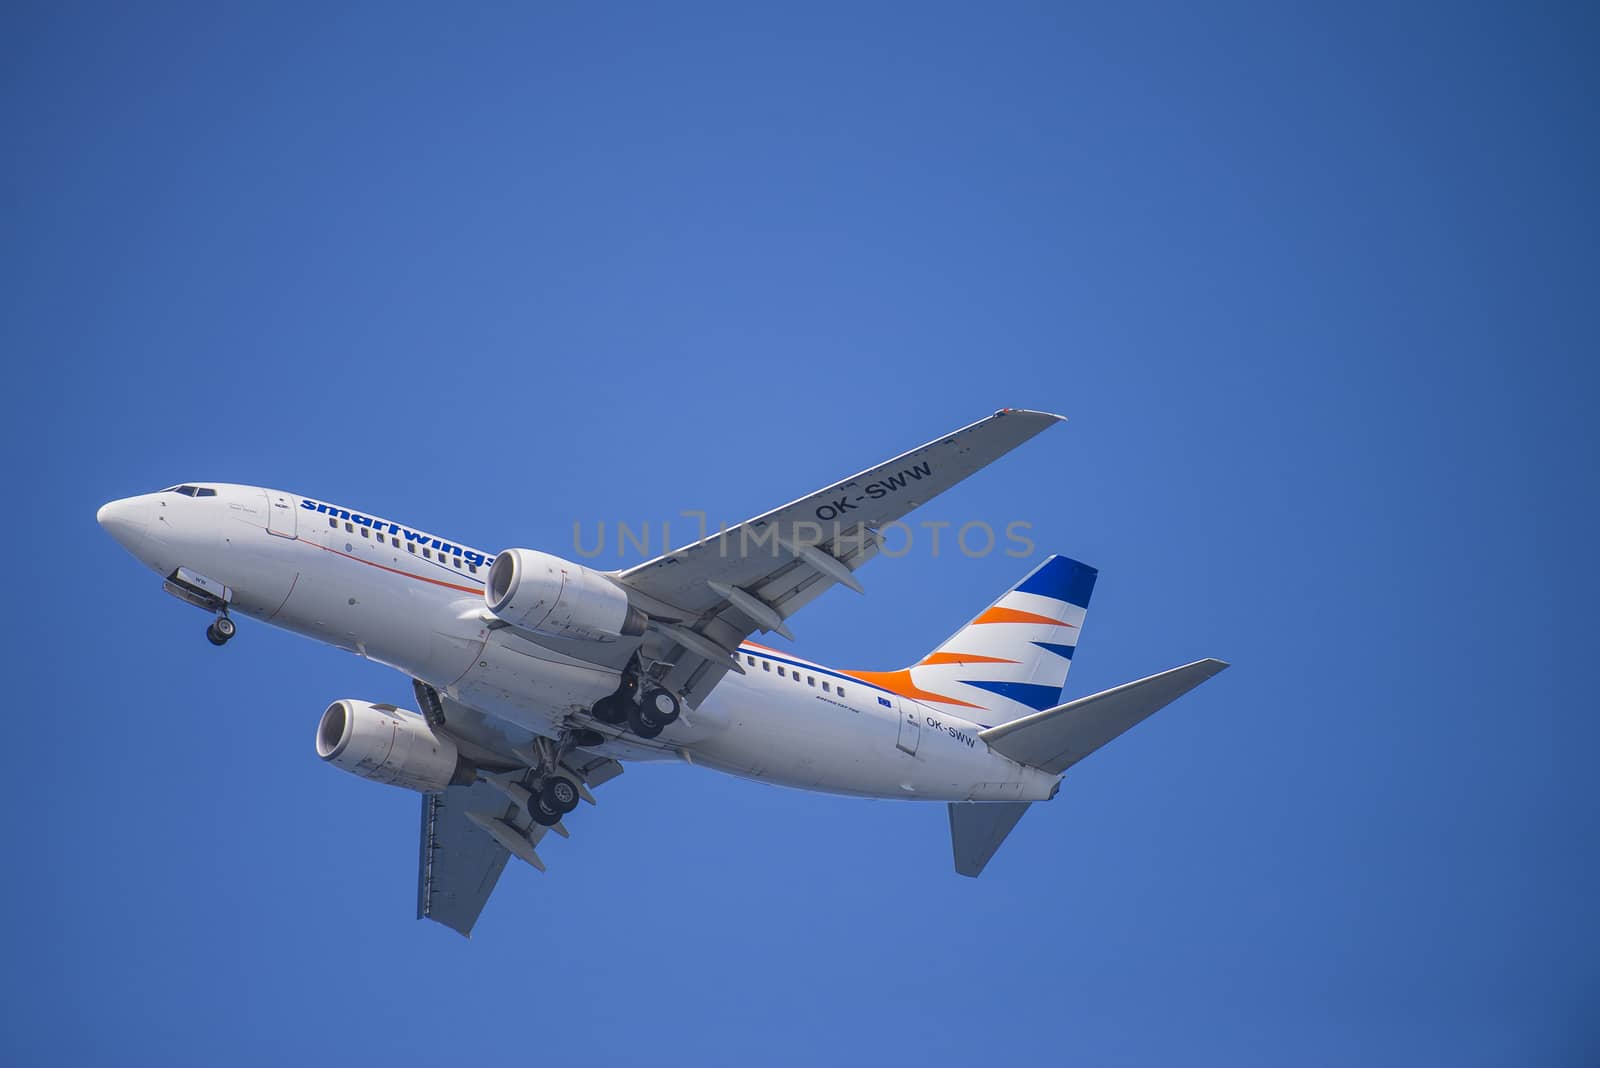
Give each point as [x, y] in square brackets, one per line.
[1012, 659]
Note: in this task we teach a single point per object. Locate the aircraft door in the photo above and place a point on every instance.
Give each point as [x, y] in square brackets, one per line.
[282, 518]
[910, 731]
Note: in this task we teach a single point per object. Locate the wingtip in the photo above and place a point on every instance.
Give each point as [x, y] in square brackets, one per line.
[1030, 411]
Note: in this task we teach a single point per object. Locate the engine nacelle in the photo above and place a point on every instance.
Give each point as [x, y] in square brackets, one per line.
[388, 744]
[544, 593]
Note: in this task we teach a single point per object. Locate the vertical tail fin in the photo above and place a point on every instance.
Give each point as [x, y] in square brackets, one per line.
[1011, 660]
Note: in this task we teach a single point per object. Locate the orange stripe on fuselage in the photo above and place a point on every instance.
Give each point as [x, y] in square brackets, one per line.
[1015, 615]
[900, 682]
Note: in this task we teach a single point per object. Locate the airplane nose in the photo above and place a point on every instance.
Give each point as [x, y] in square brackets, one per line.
[126, 520]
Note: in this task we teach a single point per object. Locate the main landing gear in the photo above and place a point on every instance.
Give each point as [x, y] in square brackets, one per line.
[220, 630]
[552, 791]
[557, 797]
[647, 709]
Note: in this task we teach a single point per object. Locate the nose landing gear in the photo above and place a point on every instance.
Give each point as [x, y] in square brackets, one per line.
[207, 594]
[220, 630]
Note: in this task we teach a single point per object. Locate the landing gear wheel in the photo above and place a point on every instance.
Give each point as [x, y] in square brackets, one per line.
[220, 631]
[559, 794]
[543, 816]
[662, 705]
[643, 723]
[612, 709]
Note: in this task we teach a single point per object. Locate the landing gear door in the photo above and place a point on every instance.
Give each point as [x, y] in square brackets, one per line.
[282, 518]
[910, 731]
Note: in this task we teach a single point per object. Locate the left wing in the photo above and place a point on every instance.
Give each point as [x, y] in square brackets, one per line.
[469, 831]
[460, 863]
[704, 599]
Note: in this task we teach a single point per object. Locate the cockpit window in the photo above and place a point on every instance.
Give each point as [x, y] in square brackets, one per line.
[205, 491]
[191, 491]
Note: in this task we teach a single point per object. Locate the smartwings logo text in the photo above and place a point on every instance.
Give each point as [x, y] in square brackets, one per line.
[471, 556]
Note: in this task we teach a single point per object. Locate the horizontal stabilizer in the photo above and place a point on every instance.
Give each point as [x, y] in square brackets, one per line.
[1057, 738]
[976, 831]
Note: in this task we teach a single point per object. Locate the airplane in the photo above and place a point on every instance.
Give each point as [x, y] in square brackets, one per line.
[537, 677]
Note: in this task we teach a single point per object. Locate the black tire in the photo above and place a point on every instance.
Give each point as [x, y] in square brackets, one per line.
[559, 793]
[214, 638]
[660, 705]
[543, 816]
[613, 709]
[642, 723]
[224, 627]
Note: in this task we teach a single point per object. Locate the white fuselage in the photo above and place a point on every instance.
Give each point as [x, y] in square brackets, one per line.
[415, 602]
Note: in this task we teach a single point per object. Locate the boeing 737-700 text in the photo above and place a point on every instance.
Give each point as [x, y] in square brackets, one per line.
[536, 677]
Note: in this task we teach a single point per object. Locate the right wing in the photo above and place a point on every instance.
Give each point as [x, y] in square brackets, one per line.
[706, 598]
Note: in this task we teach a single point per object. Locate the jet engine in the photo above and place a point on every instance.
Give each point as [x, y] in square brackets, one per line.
[544, 593]
[388, 744]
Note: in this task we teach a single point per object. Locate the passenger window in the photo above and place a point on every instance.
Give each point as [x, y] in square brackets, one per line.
[456, 560]
[841, 691]
[811, 680]
[750, 660]
[766, 665]
[472, 568]
[826, 688]
[349, 528]
[332, 522]
[396, 542]
[411, 547]
[797, 678]
[427, 554]
[365, 533]
[780, 671]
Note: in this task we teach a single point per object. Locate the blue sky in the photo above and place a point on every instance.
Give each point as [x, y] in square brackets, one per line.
[1315, 288]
